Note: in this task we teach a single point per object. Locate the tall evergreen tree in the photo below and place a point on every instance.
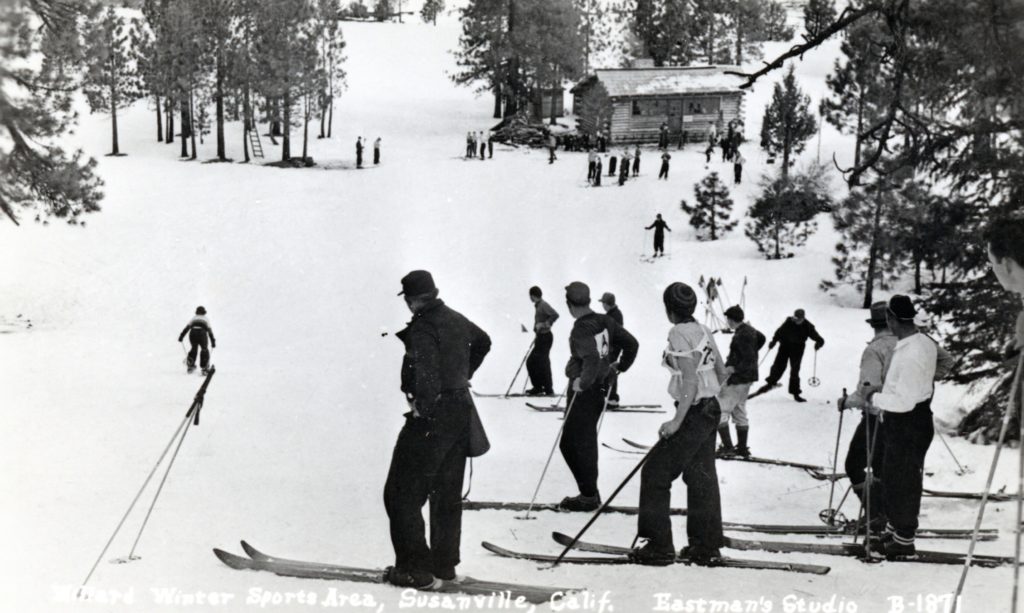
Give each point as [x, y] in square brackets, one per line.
[774, 22]
[783, 216]
[595, 110]
[709, 31]
[332, 57]
[549, 45]
[818, 15]
[710, 215]
[485, 56]
[39, 56]
[110, 82]
[788, 122]
[431, 9]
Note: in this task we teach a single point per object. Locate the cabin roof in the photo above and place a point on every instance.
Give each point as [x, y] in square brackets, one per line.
[641, 82]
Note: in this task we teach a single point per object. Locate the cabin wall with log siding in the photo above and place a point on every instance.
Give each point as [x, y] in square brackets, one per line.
[629, 128]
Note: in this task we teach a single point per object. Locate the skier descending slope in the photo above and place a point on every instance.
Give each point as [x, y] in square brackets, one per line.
[593, 339]
[198, 330]
[442, 351]
[659, 227]
[791, 337]
[688, 442]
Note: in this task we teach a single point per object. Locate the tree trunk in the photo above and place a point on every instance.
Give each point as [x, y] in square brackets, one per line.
[330, 116]
[159, 120]
[192, 122]
[917, 273]
[323, 118]
[286, 145]
[860, 127]
[113, 119]
[739, 36]
[221, 154]
[869, 284]
[305, 130]
[247, 123]
[169, 103]
[184, 128]
[554, 107]
[497, 100]
[275, 124]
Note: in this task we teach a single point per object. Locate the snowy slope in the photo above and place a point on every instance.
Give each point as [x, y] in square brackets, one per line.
[299, 270]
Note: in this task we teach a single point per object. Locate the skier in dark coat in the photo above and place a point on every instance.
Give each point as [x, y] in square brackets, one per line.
[538, 363]
[663, 173]
[687, 444]
[442, 351]
[359, 152]
[198, 329]
[597, 172]
[742, 369]
[791, 337]
[612, 165]
[591, 166]
[376, 151]
[636, 161]
[737, 167]
[659, 227]
[593, 339]
[624, 168]
[612, 310]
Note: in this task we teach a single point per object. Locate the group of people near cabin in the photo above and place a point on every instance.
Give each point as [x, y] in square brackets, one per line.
[360, 145]
[622, 166]
[479, 145]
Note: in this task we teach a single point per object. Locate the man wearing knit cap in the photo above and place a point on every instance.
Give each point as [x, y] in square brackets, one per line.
[442, 351]
[687, 444]
[593, 340]
[791, 337]
[609, 306]
[742, 369]
[538, 363]
[906, 430]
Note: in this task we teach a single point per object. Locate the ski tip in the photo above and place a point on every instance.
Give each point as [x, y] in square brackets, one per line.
[561, 538]
[251, 551]
[236, 562]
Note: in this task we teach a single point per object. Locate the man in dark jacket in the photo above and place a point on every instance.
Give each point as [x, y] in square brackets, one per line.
[594, 338]
[742, 368]
[198, 330]
[791, 337]
[442, 351]
[538, 363]
[359, 152]
[612, 309]
[659, 227]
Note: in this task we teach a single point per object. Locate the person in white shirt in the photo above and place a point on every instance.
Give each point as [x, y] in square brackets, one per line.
[907, 428]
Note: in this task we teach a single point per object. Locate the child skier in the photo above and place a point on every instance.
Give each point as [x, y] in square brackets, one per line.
[198, 329]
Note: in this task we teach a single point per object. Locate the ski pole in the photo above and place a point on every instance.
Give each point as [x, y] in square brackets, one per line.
[607, 397]
[1015, 393]
[835, 459]
[768, 353]
[554, 446]
[962, 471]
[184, 360]
[814, 381]
[743, 293]
[1020, 494]
[518, 370]
[606, 504]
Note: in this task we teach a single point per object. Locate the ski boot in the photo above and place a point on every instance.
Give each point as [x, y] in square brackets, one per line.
[191, 368]
[742, 451]
[799, 398]
[651, 555]
[725, 451]
[701, 556]
[580, 503]
[416, 579]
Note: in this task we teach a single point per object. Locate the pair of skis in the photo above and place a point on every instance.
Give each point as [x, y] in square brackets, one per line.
[738, 458]
[999, 496]
[621, 408]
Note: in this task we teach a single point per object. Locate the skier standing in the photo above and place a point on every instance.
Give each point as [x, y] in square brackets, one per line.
[376, 151]
[483, 145]
[737, 167]
[552, 145]
[612, 165]
[791, 337]
[359, 152]
[1005, 238]
[636, 161]
[597, 172]
[538, 363]
[612, 310]
[687, 443]
[591, 166]
[592, 340]
[659, 227]
[709, 151]
[741, 367]
[442, 351]
[663, 173]
[198, 329]
[624, 168]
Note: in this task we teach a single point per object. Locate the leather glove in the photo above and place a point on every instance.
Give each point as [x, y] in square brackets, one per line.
[772, 344]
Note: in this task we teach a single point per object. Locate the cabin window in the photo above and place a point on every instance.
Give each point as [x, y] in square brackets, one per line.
[650, 108]
[702, 106]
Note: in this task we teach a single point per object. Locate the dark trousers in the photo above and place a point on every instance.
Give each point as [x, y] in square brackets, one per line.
[612, 165]
[198, 340]
[359, 158]
[624, 173]
[428, 463]
[591, 169]
[551, 155]
[579, 437]
[659, 243]
[663, 174]
[597, 176]
[690, 451]
[490, 149]
[907, 437]
[636, 166]
[737, 172]
[791, 354]
[857, 461]
[376, 156]
[538, 363]
[483, 150]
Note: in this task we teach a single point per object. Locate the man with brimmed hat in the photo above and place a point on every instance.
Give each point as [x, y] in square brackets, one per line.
[612, 309]
[593, 340]
[874, 363]
[538, 363]
[742, 369]
[791, 337]
[907, 430]
[687, 442]
[442, 351]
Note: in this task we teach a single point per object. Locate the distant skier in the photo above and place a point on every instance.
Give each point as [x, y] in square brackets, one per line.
[597, 172]
[470, 144]
[552, 145]
[636, 161]
[483, 145]
[538, 363]
[376, 151]
[592, 340]
[198, 330]
[490, 146]
[612, 165]
[737, 167]
[687, 443]
[591, 166]
[359, 152]
[663, 173]
[663, 136]
[612, 310]
[742, 368]
[791, 337]
[442, 428]
[659, 227]
[624, 168]
[709, 151]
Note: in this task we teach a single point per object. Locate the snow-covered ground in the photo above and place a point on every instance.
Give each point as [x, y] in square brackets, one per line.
[299, 271]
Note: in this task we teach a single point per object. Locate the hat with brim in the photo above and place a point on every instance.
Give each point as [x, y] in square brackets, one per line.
[877, 314]
[417, 283]
[902, 308]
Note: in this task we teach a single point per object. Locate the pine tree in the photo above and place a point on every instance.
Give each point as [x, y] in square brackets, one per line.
[332, 58]
[485, 56]
[39, 55]
[431, 9]
[110, 82]
[382, 10]
[710, 216]
[595, 110]
[549, 44]
[818, 15]
[782, 217]
[788, 122]
[774, 25]
[709, 31]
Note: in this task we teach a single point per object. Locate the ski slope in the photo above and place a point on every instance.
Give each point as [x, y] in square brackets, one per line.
[299, 269]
